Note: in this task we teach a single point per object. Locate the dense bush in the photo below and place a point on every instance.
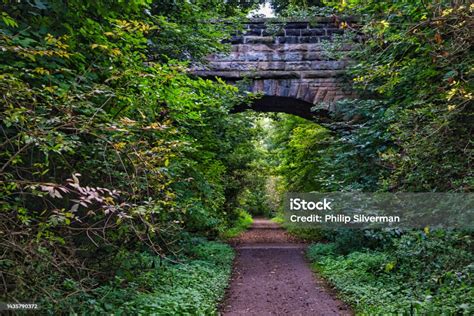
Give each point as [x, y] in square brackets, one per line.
[243, 222]
[112, 156]
[416, 58]
[317, 251]
[107, 145]
[420, 274]
[146, 285]
[410, 130]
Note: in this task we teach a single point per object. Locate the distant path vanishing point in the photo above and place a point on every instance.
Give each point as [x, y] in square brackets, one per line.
[272, 277]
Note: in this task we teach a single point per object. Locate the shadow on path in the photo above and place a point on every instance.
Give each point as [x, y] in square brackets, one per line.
[271, 277]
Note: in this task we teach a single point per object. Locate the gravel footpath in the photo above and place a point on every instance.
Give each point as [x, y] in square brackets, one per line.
[272, 277]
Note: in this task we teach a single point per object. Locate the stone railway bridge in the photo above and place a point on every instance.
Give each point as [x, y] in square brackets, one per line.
[288, 66]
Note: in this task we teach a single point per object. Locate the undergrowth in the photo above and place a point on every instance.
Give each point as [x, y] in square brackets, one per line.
[419, 275]
[190, 284]
[243, 222]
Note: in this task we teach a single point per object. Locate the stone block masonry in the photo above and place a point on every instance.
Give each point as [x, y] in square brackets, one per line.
[285, 61]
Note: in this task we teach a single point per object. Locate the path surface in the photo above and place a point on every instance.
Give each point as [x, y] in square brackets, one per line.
[271, 277]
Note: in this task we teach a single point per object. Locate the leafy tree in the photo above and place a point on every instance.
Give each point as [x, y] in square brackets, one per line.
[417, 56]
[281, 5]
[108, 146]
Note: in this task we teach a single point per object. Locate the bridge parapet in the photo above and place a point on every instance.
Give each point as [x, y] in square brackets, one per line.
[285, 60]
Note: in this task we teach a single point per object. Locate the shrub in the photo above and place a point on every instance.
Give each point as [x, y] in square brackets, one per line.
[420, 274]
[318, 251]
[243, 222]
[146, 285]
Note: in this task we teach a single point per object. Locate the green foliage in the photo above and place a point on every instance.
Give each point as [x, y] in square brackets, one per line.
[108, 145]
[295, 8]
[253, 197]
[145, 285]
[409, 130]
[243, 222]
[112, 156]
[306, 233]
[311, 158]
[292, 142]
[420, 274]
[317, 251]
[418, 58]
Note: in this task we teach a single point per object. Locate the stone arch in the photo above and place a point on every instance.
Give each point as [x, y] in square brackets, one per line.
[297, 96]
[289, 68]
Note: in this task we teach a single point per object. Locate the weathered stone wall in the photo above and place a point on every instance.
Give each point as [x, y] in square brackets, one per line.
[289, 62]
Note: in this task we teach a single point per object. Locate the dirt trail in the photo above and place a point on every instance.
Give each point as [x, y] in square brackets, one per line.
[271, 277]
